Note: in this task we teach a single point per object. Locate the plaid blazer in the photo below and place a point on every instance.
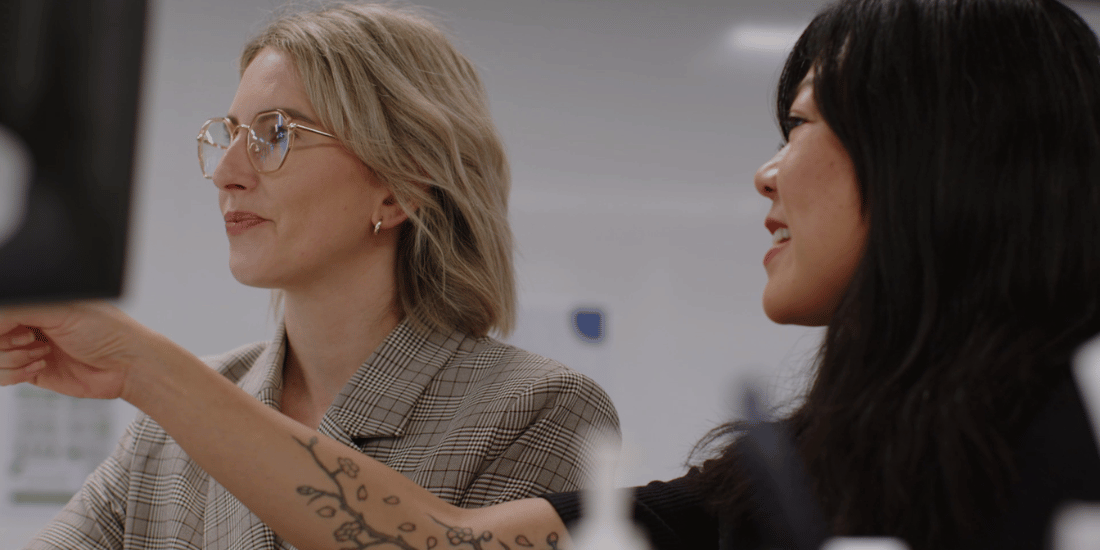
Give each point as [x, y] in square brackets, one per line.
[473, 420]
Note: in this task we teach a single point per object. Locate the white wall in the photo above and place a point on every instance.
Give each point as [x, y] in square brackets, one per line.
[634, 129]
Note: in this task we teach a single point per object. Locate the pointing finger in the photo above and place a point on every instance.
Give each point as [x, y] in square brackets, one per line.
[21, 358]
[19, 338]
[27, 373]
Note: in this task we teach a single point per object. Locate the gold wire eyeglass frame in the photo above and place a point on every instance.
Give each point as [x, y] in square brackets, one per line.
[253, 145]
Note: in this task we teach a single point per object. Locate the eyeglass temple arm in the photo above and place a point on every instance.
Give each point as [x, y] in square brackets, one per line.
[314, 130]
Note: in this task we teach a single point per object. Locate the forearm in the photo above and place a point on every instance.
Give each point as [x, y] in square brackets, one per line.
[313, 491]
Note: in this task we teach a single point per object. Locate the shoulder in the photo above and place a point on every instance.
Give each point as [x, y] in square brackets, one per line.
[527, 372]
[515, 379]
[1057, 461]
[235, 363]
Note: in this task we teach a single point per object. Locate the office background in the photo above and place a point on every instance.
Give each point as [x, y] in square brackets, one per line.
[633, 127]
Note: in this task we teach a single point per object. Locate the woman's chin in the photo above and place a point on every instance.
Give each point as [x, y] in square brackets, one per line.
[250, 276]
[787, 311]
[779, 316]
[775, 307]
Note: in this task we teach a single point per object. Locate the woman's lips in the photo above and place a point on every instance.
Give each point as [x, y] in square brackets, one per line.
[773, 251]
[781, 235]
[236, 228]
[239, 222]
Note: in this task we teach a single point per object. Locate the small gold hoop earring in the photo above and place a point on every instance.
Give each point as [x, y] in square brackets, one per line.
[377, 226]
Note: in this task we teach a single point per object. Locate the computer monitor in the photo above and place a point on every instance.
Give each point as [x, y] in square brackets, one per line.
[69, 94]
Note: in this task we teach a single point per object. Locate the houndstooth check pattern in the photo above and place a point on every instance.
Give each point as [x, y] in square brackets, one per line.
[474, 420]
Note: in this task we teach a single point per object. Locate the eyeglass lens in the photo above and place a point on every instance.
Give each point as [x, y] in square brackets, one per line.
[213, 142]
[268, 143]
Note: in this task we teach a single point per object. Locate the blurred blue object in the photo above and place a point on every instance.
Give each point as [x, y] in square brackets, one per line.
[588, 324]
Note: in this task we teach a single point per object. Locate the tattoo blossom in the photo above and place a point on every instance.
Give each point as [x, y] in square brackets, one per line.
[362, 535]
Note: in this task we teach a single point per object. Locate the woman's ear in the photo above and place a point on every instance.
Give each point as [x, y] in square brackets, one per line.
[390, 211]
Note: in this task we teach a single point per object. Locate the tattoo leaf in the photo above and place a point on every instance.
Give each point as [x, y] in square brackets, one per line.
[361, 494]
[432, 541]
[407, 527]
[326, 512]
[306, 490]
[522, 541]
[392, 500]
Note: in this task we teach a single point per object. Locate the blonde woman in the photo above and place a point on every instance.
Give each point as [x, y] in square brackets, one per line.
[933, 203]
[360, 177]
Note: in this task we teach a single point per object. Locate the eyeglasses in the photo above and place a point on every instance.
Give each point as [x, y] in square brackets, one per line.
[270, 137]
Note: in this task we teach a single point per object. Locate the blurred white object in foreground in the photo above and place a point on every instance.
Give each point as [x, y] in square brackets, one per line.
[864, 543]
[1086, 372]
[16, 171]
[606, 523]
[1077, 527]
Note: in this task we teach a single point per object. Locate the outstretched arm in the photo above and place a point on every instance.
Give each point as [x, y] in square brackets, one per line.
[312, 490]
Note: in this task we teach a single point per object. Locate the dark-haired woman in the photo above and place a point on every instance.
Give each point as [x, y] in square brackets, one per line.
[935, 205]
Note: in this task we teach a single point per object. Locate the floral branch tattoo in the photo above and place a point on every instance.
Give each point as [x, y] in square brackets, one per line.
[360, 534]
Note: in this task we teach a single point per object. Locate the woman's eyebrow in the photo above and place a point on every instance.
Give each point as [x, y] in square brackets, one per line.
[294, 113]
[298, 115]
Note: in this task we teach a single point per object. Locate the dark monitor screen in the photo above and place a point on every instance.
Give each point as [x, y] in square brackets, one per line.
[69, 94]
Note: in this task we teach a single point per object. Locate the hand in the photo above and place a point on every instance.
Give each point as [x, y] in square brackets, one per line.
[83, 349]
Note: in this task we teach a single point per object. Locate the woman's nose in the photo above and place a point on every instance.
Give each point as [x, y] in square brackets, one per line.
[765, 178]
[234, 170]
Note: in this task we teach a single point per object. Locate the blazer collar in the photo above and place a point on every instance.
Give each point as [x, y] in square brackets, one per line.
[264, 380]
[377, 399]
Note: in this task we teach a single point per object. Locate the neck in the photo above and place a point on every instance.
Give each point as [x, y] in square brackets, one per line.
[332, 328]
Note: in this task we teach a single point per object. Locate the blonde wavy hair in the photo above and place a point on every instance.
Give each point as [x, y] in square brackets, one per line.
[390, 84]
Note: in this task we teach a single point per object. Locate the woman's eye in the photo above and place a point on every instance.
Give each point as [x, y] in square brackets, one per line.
[789, 124]
[792, 122]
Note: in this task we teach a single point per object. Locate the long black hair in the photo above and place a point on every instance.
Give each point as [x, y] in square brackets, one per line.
[974, 128]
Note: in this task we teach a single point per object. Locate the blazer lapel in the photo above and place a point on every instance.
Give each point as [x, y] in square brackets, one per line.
[376, 402]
